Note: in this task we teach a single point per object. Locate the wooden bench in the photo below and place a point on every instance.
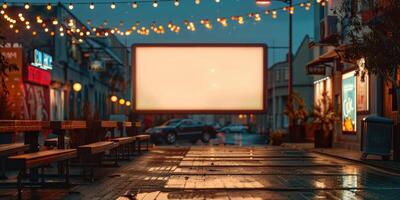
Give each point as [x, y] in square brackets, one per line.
[8, 150]
[126, 146]
[87, 152]
[41, 159]
[142, 138]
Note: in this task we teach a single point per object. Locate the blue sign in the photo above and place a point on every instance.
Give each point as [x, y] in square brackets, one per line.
[42, 60]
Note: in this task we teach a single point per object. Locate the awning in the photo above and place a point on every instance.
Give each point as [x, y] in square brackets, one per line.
[329, 56]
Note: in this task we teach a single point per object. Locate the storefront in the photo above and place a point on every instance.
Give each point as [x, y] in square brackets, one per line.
[351, 94]
[37, 78]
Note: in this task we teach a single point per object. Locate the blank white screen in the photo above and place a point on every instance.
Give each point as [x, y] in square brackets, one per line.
[199, 78]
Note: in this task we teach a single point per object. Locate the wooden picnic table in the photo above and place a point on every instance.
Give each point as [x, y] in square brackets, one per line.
[61, 127]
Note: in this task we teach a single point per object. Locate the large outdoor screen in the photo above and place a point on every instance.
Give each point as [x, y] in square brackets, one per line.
[171, 78]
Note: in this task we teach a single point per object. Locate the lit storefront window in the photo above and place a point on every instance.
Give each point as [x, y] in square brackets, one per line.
[349, 106]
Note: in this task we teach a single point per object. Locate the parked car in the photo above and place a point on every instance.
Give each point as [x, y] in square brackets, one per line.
[175, 129]
[234, 128]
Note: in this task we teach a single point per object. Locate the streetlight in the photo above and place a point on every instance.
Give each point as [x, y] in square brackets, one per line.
[114, 98]
[77, 87]
[290, 60]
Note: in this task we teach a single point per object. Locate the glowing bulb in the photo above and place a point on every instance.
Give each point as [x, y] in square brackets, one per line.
[128, 103]
[197, 2]
[176, 3]
[46, 30]
[62, 34]
[217, 1]
[71, 6]
[155, 4]
[4, 5]
[55, 22]
[77, 87]
[113, 6]
[27, 6]
[91, 6]
[28, 27]
[114, 98]
[48, 7]
[122, 101]
[134, 5]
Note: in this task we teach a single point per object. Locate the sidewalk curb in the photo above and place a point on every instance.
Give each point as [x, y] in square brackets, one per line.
[392, 171]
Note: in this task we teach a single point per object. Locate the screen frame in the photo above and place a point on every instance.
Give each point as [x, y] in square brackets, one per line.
[264, 87]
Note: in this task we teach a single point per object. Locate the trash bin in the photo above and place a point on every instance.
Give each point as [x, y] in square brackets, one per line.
[376, 136]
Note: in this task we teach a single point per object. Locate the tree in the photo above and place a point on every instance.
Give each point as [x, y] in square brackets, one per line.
[373, 34]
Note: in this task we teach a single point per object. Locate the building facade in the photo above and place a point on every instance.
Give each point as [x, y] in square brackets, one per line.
[278, 88]
[353, 97]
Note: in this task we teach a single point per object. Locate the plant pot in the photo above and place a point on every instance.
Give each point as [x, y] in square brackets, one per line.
[297, 133]
[276, 142]
[323, 139]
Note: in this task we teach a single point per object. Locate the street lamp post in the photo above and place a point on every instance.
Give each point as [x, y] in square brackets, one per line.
[289, 58]
[77, 87]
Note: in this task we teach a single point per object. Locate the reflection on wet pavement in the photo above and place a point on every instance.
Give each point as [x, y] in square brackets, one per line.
[223, 172]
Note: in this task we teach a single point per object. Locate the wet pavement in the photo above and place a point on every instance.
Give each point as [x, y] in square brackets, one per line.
[232, 172]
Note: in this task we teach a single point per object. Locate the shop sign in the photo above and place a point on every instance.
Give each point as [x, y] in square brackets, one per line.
[97, 65]
[316, 70]
[38, 76]
[42, 60]
[349, 107]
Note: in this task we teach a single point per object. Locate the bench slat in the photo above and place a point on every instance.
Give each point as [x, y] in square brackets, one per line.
[42, 157]
[97, 147]
[142, 137]
[8, 149]
[124, 140]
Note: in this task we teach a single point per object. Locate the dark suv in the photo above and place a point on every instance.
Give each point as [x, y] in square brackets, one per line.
[187, 129]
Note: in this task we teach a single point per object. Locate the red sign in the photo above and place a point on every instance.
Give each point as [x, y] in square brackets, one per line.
[38, 76]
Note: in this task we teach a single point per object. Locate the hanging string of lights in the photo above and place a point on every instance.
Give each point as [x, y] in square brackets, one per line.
[92, 5]
[68, 26]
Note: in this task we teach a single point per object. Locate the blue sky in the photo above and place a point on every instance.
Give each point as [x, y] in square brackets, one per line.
[273, 32]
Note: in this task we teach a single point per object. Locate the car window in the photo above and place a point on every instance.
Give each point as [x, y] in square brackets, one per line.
[187, 123]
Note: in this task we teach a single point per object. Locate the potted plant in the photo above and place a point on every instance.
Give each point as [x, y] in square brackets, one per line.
[277, 137]
[297, 113]
[325, 118]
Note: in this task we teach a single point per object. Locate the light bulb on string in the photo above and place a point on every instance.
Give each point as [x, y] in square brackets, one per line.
[217, 1]
[113, 6]
[176, 3]
[134, 5]
[49, 7]
[91, 6]
[155, 4]
[197, 2]
[71, 6]
[27, 6]
[4, 6]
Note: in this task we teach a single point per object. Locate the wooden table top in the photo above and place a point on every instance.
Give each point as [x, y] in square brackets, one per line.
[67, 125]
[9, 126]
[104, 124]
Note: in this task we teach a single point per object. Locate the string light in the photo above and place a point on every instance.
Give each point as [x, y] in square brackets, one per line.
[197, 2]
[27, 6]
[49, 7]
[4, 6]
[222, 21]
[155, 4]
[143, 30]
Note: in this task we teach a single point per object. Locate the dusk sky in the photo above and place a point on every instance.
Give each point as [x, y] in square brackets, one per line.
[273, 32]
